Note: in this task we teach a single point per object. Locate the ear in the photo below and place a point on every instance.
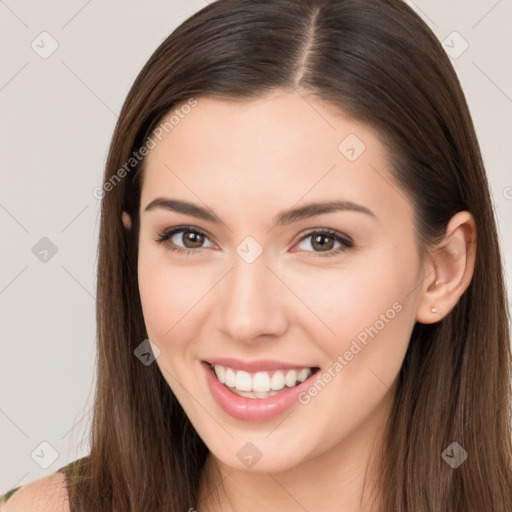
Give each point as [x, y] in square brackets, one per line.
[127, 221]
[449, 269]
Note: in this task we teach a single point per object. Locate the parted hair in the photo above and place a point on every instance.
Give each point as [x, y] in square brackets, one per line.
[380, 64]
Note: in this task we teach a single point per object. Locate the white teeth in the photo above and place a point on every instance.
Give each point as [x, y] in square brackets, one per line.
[230, 377]
[243, 381]
[277, 381]
[291, 378]
[259, 384]
[303, 374]
[221, 373]
[253, 394]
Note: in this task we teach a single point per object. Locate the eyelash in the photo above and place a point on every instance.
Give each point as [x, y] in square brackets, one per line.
[164, 238]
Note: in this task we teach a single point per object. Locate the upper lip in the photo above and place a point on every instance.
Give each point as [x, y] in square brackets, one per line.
[259, 365]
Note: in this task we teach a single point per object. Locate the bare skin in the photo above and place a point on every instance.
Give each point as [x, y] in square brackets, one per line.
[246, 162]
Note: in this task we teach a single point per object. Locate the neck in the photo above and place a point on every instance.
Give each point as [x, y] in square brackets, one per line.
[342, 478]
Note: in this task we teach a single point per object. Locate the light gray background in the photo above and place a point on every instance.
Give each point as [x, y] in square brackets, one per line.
[57, 116]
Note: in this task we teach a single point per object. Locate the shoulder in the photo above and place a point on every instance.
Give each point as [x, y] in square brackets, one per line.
[46, 494]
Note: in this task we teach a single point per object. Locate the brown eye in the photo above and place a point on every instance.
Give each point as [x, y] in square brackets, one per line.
[183, 239]
[323, 241]
[192, 239]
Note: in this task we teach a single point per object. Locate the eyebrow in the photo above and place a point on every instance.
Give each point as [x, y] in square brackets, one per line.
[282, 218]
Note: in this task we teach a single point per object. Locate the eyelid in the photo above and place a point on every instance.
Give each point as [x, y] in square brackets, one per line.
[345, 240]
[176, 229]
[168, 233]
[333, 232]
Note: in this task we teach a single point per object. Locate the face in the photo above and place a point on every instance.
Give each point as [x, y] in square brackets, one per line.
[281, 334]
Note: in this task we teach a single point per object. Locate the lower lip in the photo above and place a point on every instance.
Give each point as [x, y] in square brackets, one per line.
[253, 409]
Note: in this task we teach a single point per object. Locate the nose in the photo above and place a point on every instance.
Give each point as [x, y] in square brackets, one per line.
[252, 302]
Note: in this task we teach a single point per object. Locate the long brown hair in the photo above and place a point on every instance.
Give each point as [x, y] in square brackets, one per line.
[381, 64]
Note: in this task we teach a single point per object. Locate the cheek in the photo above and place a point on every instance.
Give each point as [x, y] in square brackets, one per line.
[175, 299]
[166, 294]
[372, 312]
[367, 304]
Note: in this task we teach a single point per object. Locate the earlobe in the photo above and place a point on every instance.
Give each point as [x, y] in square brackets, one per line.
[450, 269]
[127, 221]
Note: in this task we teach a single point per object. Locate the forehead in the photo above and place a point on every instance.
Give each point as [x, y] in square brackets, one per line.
[273, 151]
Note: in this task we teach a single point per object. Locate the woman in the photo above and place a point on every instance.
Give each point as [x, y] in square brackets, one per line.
[300, 294]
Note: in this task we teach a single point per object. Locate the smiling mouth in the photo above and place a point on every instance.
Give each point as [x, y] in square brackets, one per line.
[261, 384]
